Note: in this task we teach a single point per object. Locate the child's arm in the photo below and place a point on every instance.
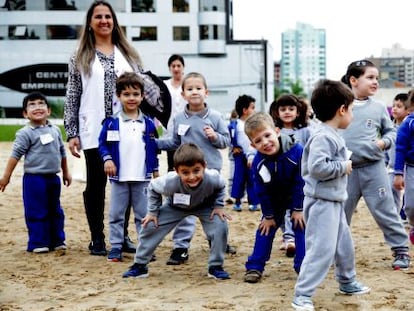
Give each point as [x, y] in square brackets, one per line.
[11, 165]
[67, 177]
[219, 136]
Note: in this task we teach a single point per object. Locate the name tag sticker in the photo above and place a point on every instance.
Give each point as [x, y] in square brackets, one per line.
[112, 136]
[265, 174]
[46, 139]
[182, 129]
[181, 198]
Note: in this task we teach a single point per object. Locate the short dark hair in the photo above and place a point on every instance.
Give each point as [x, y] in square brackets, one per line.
[328, 96]
[129, 79]
[188, 154]
[175, 57]
[243, 102]
[33, 96]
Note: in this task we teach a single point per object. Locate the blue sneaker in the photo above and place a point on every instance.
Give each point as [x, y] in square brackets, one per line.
[115, 255]
[237, 207]
[136, 271]
[353, 288]
[253, 208]
[218, 273]
[302, 303]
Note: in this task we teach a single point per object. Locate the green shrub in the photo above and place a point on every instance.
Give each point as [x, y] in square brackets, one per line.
[8, 132]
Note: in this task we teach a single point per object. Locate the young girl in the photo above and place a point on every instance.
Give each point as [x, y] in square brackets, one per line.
[290, 114]
[370, 133]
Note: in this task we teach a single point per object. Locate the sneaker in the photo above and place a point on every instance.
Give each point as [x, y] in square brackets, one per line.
[412, 235]
[401, 262]
[217, 273]
[237, 207]
[231, 250]
[353, 288]
[302, 303]
[136, 271]
[178, 256]
[61, 247]
[253, 208]
[290, 249]
[229, 201]
[41, 250]
[252, 276]
[97, 247]
[128, 246]
[115, 255]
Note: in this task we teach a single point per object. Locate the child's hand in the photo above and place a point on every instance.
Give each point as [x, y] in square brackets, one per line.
[220, 212]
[380, 143]
[298, 219]
[3, 183]
[110, 168]
[67, 179]
[155, 174]
[266, 225]
[211, 135]
[148, 218]
[348, 167]
[398, 182]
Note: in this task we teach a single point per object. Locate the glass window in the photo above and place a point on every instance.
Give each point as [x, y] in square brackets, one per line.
[142, 6]
[212, 32]
[61, 5]
[181, 6]
[62, 32]
[181, 33]
[212, 5]
[65, 32]
[144, 33]
[16, 5]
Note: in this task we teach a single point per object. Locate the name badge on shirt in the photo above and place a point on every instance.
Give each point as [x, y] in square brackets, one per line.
[181, 198]
[265, 174]
[182, 129]
[46, 139]
[112, 136]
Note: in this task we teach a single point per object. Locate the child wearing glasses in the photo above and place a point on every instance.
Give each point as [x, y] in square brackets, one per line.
[44, 154]
[367, 137]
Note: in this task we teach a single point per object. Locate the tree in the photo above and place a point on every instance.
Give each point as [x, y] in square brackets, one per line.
[295, 88]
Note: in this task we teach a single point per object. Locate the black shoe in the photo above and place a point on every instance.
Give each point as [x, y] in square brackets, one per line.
[97, 248]
[153, 258]
[128, 246]
[178, 256]
[230, 249]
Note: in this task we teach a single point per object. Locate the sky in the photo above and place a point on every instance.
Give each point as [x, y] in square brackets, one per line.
[355, 29]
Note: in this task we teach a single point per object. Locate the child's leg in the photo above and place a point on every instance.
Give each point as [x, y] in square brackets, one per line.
[239, 177]
[251, 193]
[409, 194]
[216, 231]
[120, 199]
[300, 247]
[57, 216]
[261, 251]
[139, 201]
[288, 234]
[35, 201]
[354, 194]
[184, 231]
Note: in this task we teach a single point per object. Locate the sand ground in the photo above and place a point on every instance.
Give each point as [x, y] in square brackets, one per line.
[79, 281]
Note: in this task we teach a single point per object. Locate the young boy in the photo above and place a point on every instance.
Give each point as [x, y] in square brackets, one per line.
[325, 166]
[44, 156]
[404, 163]
[190, 190]
[205, 127]
[241, 149]
[129, 152]
[279, 186]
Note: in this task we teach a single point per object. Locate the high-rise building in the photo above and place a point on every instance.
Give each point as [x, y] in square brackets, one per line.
[37, 38]
[303, 56]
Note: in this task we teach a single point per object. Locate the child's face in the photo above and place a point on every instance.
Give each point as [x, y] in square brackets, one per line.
[191, 175]
[249, 110]
[288, 115]
[398, 111]
[367, 84]
[195, 93]
[130, 99]
[37, 111]
[265, 140]
[346, 116]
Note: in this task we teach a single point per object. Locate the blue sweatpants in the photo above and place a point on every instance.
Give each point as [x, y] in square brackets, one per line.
[43, 213]
[243, 180]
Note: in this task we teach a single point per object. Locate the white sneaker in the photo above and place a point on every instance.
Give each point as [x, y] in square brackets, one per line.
[39, 250]
[302, 303]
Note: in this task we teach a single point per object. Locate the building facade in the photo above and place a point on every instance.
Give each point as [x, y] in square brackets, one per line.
[303, 56]
[39, 36]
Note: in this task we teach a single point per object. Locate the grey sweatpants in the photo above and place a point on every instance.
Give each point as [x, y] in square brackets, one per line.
[328, 241]
[372, 183]
[215, 229]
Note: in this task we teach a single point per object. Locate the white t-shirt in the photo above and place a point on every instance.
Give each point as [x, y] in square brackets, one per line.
[177, 104]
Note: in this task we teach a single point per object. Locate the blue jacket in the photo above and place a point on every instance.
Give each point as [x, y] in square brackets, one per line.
[109, 150]
[233, 133]
[404, 145]
[278, 180]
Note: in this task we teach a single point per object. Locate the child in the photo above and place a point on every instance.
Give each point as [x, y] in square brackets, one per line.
[190, 190]
[279, 186]
[370, 133]
[325, 166]
[44, 156]
[241, 148]
[290, 114]
[399, 110]
[404, 163]
[201, 125]
[129, 152]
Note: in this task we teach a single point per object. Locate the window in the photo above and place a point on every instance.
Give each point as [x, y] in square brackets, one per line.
[180, 6]
[13, 5]
[44, 32]
[61, 5]
[212, 5]
[144, 33]
[181, 33]
[61, 32]
[142, 6]
[212, 32]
